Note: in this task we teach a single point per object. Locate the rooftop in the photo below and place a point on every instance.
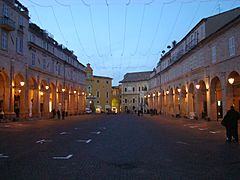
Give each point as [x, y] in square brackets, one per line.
[136, 76]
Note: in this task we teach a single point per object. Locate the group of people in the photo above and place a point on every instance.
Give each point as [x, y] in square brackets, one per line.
[59, 114]
[230, 122]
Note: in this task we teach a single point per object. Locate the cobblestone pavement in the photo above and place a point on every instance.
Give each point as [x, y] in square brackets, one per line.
[122, 146]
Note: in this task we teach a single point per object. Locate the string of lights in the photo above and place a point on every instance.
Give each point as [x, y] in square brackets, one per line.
[109, 31]
[125, 24]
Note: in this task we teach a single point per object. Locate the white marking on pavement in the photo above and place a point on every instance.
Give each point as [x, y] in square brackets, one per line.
[193, 127]
[202, 129]
[63, 133]
[62, 157]
[98, 132]
[188, 124]
[85, 141]
[7, 126]
[214, 132]
[43, 141]
[180, 142]
[2, 156]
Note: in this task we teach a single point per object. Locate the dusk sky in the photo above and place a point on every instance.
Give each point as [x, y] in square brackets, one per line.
[120, 36]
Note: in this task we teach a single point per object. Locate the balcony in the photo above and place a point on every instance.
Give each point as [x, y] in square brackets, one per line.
[7, 24]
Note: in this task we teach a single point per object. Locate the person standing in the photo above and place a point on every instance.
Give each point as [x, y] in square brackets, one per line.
[58, 114]
[230, 121]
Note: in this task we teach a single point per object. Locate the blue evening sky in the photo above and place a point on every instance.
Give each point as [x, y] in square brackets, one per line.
[120, 36]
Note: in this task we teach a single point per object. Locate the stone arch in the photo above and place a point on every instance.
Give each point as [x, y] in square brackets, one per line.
[4, 91]
[191, 98]
[170, 101]
[202, 99]
[19, 95]
[216, 99]
[183, 101]
[44, 98]
[233, 90]
[33, 97]
[52, 97]
[177, 100]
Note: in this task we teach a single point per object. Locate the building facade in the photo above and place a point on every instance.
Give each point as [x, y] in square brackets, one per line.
[199, 76]
[37, 74]
[116, 99]
[134, 88]
[99, 92]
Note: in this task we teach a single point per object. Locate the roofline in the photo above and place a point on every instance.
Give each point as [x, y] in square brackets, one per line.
[201, 21]
[104, 77]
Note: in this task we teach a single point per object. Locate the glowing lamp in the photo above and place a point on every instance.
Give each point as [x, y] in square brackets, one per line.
[231, 80]
[22, 83]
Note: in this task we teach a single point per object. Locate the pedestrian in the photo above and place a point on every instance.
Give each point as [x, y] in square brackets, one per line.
[63, 114]
[53, 113]
[230, 121]
[58, 114]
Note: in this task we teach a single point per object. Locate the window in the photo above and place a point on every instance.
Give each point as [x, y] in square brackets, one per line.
[139, 88]
[4, 40]
[20, 20]
[98, 94]
[59, 69]
[133, 100]
[125, 100]
[97, 102]
[133, 89]
[214, 54]
[107, 82]
[33, 38]
[33, 59]
[44, 64]
[5, 10]
[107, 102]
[44, 45]
[19, 45]
[125, 89]
[231, 46]
[97, 81]
[107, 94]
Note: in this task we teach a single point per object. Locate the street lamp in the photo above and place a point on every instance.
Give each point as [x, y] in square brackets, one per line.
[46, 87]
[197, 86]
[231, 81]
[22, 83]
[179, 90]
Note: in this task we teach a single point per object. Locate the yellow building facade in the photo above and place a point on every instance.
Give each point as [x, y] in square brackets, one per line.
[99, 92]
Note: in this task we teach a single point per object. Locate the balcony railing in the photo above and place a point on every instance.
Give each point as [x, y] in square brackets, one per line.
[7, 24]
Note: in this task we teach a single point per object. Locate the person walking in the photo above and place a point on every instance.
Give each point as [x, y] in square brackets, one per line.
[58, 114]
[63, 114]
[230, 121]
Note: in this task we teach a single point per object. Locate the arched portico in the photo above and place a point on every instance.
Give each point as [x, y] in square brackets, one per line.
[4, 92]
[216, 99]
[19, 96]
[33, 97]
[233, 90]
[201, 92]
